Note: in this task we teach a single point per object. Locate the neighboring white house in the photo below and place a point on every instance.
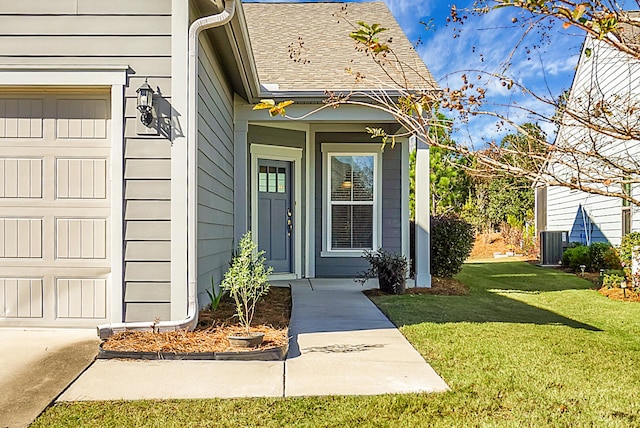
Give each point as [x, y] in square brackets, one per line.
[604, 77]
[105, 220]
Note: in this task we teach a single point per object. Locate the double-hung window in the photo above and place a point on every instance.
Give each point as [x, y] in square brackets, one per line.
[351, 202]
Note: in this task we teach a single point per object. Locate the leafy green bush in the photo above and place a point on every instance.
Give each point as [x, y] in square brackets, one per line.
[575, 256]
[603, 256]
[598, 255]
[451, 243]
[612, 279]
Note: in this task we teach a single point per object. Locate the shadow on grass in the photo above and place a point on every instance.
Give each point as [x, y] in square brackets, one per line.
[484, 304]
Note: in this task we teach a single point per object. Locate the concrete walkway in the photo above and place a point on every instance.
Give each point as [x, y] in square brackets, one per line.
[341, 344]
[346, 346]
[36, 365]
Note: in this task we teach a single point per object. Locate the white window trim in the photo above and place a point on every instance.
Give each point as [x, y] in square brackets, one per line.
[288, 154]
[357, 149]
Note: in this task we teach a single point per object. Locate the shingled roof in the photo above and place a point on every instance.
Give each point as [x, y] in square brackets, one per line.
[327, 51]
[630, 31]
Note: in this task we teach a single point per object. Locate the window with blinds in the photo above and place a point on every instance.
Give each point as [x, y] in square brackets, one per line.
[352, 189]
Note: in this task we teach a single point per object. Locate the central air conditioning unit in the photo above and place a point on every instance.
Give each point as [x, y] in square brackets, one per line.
[552, 245]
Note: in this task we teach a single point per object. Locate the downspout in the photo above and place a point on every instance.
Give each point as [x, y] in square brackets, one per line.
[197, 27]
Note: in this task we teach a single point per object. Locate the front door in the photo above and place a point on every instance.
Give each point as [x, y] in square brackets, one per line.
[275, 213]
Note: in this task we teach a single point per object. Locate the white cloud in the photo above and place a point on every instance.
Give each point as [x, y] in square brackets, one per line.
[487, 43]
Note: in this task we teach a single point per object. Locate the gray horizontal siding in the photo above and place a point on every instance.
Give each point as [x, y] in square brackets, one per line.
[136, 148]
[88, 7]
[67, 25]
[144, 169]
[148, 189]
[147, 311]
[133, 33]
[147, 231]
[215, 172]
[96, 46]
[137, 292]
[147, 210]
[147, 250]
[147, 271]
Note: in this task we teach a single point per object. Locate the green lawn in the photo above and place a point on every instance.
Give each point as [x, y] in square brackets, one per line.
[528, 347]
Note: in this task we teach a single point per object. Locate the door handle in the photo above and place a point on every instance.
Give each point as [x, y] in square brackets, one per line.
[289, 222]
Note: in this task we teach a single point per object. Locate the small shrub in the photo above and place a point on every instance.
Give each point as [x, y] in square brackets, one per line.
[603, 256]
[611, 259]
[389, 268]
[451, 243]
[575, 256]
[246, 279]
[612, 279]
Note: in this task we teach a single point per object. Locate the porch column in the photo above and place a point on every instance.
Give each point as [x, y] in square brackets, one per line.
[240, 174]
[423, 228]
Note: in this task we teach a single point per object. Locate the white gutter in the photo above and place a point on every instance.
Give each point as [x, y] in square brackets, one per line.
[197, 27]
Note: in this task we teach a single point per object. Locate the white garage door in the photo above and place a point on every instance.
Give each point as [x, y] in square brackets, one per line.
[54, 209]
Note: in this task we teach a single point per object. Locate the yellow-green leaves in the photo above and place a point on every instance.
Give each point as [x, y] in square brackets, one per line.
[274, 109]
[381, 133]
[605, 25]
[368, 36]
[415, 104]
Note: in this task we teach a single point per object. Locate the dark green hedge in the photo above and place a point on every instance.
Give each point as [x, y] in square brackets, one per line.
[451, 243]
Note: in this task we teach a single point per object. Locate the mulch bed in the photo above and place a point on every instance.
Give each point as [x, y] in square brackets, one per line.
[439, 286]
[615, 293]
[486, 244]
[619, 294]
[271, 318]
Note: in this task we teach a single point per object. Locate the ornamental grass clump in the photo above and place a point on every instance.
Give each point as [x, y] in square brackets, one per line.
[246, 280]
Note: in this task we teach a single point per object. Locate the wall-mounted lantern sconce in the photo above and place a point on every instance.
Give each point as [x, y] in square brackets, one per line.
[145, 103]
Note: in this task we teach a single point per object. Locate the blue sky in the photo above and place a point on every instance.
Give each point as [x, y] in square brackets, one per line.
[485, 43]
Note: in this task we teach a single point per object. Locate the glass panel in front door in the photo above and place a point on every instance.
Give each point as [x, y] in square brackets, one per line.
[275, 213]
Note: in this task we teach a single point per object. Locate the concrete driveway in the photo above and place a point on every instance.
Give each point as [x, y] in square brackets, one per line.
[36, 366]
